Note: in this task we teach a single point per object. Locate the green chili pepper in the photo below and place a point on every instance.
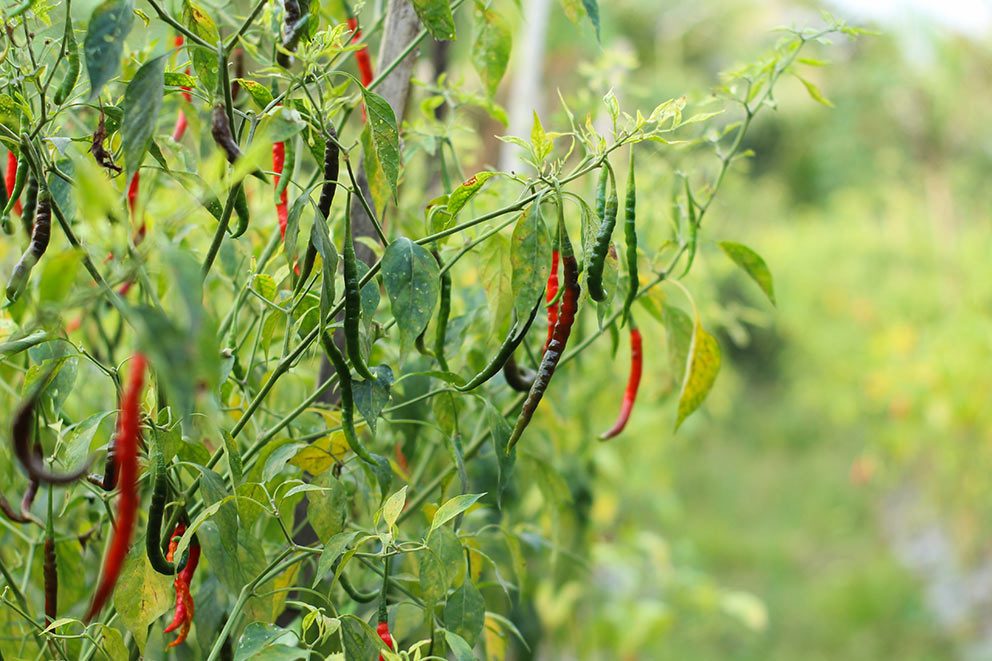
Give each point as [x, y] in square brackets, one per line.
[347, 400]
[15, 193]
[510, 344]
[601, 246]
[153, 536]
[72, 59]
[30, 204]
[353, 302]
[443, 312]
[630, 240]
[240, 208]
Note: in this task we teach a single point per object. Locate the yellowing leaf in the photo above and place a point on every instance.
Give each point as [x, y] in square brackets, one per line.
[701, 368]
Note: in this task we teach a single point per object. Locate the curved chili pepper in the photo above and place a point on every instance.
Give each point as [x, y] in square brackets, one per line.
[160, 492]
[332, 166]
[183, 617]
[510, 344]
[353, 302]
[601, 246]
[13, 515]
[24, 515]
[633, 382]
[347, 399]
[630, 240]
[72, 59]
[559, 339]
[10, 179]
[241, 209]
[443, 312]
[32, 461]
[128, 432]
[518, 378]
[552, 296]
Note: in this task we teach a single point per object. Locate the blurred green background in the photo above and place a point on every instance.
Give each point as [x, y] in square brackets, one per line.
[831, 501]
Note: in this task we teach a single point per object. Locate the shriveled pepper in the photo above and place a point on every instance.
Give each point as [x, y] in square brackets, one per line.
[559, 338]
[128, 433]
[633, 382]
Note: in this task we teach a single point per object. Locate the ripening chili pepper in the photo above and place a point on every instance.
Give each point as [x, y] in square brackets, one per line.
[552, 296]
[347, 399]
[10, 179]
[128, 432]
[332, 167]
[633, 382]
[183, 617]
[41, 233]
[160, 492]
[72, 60]
[601, 245]
[559, 339]
[519, 378]
[510, 344]
[443, 312]
[220, 129]
[630, 241]
[30, 204]
[353, 302]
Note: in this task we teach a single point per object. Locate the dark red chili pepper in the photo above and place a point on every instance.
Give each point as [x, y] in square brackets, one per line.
[132, 192]
[10, 177]
[128, 432]
[633, 381]
[31, 460]
[293, 27]
[51, 572]
[332, 167]
[362, 59]
[552, 295]
[41, 234]
[220, 129]
[519, 378]
[559, 338]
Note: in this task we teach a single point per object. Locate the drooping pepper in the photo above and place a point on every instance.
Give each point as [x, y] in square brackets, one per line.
[181, 121]
[353, 302]
[601, 246]
[552, 296]
[630, 240]
[332, 167]
[633, 382]
[282, 198]
[41, 233]
[559, 338]
[183, 616]
[128, 433]
[10, 179]
[160, 492]
[72, 60]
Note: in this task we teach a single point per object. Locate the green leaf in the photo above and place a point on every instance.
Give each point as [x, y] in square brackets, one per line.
[328, 511]
[530, 257]
[204, 59]
[678, 339]
[333, 549]
[700, 372]
[142, 594]
[372, 396]
[359, 639]
[453, 508]
[815, 93]
[142, 102]
[412, 281]
[753, 265]
[459, 647]
[465, 612]
[178, 79]
[109, 25]
[269, 642]
[436, 17]
[496, 273]
[592, 10]
[491, 50]
[385, 137]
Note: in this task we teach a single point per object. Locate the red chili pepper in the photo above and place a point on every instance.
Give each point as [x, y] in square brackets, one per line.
[383, 630]
[183, 617]
[633, 381]
[10, 177]
[282, 206]
[552, 292]
[132, 193]
[181, 122]
[362, 59]
[128, 432]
